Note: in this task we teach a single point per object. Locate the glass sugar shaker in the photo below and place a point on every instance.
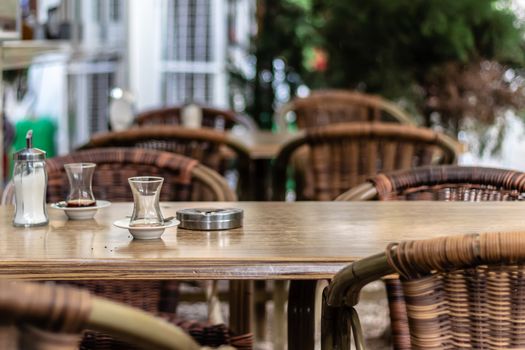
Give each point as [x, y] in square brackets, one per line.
[30, 179]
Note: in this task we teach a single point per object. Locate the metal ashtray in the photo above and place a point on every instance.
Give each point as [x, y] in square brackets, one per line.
[207, 219]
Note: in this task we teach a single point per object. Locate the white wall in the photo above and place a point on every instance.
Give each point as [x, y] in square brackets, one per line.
[144, 51]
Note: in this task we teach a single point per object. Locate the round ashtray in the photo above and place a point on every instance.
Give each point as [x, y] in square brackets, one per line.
[208, 219]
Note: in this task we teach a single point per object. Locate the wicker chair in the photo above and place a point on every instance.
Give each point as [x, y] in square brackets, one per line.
[185, 179]
[220, 119]
[344, 155]
[46, 317]
[463, 292]
[326, 107]
[443, 183]
[210, 147]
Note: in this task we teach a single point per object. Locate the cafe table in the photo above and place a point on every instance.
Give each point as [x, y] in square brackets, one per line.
[300, 241]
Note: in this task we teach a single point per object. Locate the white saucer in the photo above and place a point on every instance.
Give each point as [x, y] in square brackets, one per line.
[80, 213]
[153, 232]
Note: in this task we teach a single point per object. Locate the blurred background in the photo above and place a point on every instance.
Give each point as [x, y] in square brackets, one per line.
[82, 67]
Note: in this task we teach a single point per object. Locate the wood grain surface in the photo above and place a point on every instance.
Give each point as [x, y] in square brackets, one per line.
[301, 240]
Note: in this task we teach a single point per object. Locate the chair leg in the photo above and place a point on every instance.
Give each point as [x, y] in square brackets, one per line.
[213, 302]
[329, 318]
[280, 296]
[260, 310]
[357, 331]
[338, 329]
[338, 326]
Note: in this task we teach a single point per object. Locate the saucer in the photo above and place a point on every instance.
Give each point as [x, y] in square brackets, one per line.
[152, 232]
[80, 213]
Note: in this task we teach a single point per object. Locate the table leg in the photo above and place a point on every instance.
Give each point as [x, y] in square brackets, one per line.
[260, 310]
[280, 296]
[241, 305]
[304, 314]
[262, 174]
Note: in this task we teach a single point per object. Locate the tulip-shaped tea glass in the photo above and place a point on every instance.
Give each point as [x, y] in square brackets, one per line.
[80, 177]
[146, 209]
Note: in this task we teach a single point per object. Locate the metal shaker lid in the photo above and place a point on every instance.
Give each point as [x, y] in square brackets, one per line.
[207, 219]
[29, 153]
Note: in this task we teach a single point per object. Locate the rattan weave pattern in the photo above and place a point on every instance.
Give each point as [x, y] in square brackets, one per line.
[440, 183]
[344, 155]
[37, 316]
[203, 145]
[326, 107]
[464, 291]
[451, 183]
[116, 165]
[211, 148]
[149, 296]
[59, 314]
[220, 119]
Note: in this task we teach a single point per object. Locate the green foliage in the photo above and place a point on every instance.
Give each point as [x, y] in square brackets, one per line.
[279, 36]
[430, 53]
[389, 46]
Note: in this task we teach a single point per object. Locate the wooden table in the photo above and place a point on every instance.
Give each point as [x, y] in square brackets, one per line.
[302, 241]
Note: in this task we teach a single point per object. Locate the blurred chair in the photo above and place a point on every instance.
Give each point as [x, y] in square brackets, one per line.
[185, 179]
[220, 119]
[442, 183]
[210, 147]
[326, 107]
[435, 183]
[463, 292]
[344, 155]
[45, 316]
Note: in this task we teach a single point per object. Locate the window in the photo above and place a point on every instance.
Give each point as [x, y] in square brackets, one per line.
[114, 10]
[191, 61]
[184, 87]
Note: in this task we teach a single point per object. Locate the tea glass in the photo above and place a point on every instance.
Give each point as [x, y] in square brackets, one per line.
[146, 194]
[80, 177]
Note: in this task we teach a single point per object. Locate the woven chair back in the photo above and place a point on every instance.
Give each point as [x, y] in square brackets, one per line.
[326, 107]
[344, 155]
[463, 291]
[185, 179]
[442, 183]
[51, 317]
[116, 165]
[214, 118]
[210, 147]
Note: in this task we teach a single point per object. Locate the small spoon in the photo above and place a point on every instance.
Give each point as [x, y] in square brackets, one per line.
[169, 218]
